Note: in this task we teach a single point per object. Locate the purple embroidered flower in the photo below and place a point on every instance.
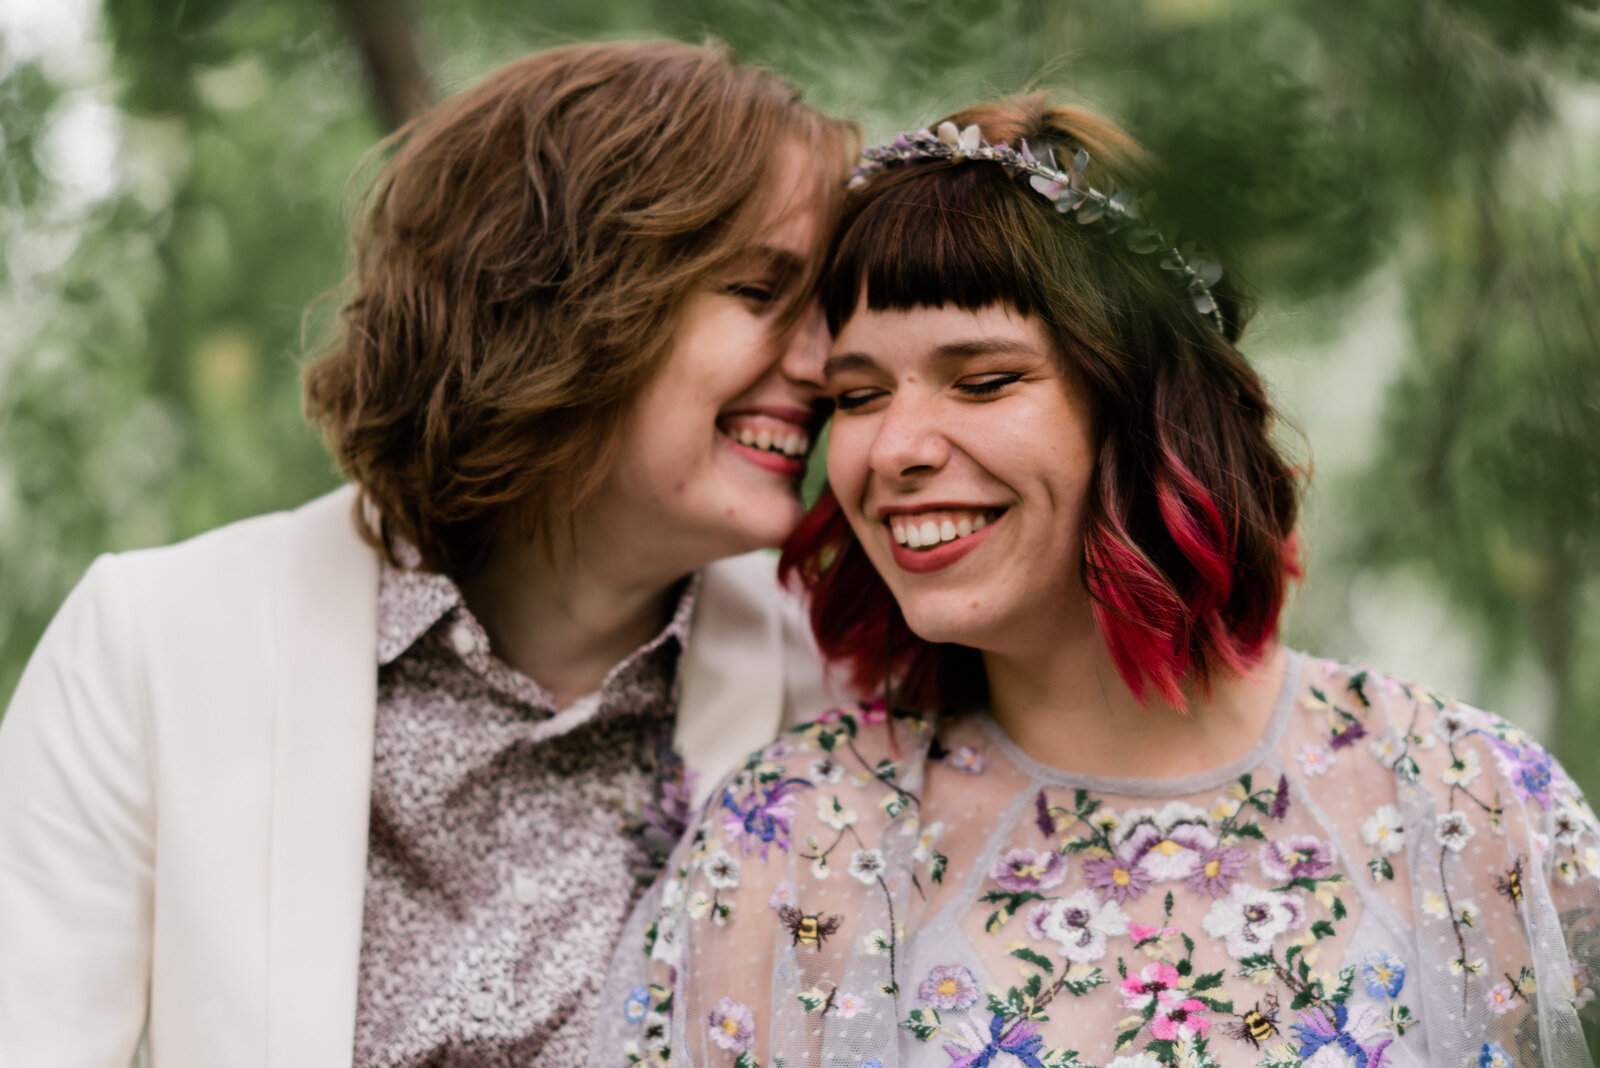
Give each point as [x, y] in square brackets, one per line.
[1300, 856]
[733, 1025]
[763, 817]
[1079, 924]
[1280, 800]
[1021, 870]
[1116, 877]
[1529, 768]
[1359, 1039]
[636, 1004]
[1041, 816]
[1347, 733]
[1022, 1041]
[949, 986]
[1165, 855]
[1219, 868]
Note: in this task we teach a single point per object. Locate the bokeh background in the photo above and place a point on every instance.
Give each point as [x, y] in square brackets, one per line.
[1412, 187]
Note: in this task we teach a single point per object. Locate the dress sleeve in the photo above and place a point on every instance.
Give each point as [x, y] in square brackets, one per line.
[76, 840]
[1505, 857]
[771, 936]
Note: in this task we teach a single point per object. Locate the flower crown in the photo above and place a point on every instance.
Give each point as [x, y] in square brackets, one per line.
[1067, 189]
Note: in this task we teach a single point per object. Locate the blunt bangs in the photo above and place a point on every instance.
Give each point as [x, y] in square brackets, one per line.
[936, 234]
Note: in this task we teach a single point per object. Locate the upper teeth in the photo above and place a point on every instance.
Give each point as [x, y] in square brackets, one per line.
[932, 530]
[794, 443]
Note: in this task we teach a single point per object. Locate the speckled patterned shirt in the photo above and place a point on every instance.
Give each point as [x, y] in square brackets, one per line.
[498, 864]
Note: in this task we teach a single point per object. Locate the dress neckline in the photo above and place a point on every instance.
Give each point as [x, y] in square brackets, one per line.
[1140, 786]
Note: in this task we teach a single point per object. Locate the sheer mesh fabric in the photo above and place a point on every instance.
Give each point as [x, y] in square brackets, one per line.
[1386, 878]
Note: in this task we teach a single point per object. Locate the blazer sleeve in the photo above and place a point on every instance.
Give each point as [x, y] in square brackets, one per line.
[77, 839]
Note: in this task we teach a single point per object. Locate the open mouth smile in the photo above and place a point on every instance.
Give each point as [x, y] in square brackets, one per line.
[921, 531]
[777, 443]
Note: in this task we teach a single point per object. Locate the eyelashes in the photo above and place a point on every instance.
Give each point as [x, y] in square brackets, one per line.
[979, 386]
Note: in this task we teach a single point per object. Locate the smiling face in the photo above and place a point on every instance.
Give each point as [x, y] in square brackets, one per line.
[961, 454]
[710, 458]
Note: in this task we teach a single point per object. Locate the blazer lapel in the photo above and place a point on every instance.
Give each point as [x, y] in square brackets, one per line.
[326, 630]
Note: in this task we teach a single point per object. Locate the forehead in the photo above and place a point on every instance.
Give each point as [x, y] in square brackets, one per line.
[798, 193]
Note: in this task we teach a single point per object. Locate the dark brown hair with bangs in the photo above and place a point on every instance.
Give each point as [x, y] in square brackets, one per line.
[520, 264]
[1189, 526]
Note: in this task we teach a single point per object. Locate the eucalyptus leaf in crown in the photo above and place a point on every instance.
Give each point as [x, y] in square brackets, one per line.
[1067, 189]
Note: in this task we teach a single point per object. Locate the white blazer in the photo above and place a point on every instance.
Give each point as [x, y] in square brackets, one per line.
[185, 772]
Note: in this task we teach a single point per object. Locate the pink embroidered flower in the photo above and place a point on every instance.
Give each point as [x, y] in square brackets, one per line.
[847, 1005]
[1300, 856]
[966, 759]
[1316, 759]
[1168, 854]
[1021, 870]
[1219, 868]
[1178, 1017]
[1499, 997]
[733, 1025]
[873, 711]
[949, 987]
[1152, 981]
[1116, 877]
[1141, 932]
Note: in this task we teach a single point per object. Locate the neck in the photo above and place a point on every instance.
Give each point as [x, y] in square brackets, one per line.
[565, 613]
[1068, 707]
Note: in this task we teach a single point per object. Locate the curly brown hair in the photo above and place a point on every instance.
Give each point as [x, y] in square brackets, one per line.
[521, 260]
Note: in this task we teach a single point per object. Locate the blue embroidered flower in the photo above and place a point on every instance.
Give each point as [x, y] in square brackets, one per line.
[636, 1004]
[1384, 974]
[1493, 1056]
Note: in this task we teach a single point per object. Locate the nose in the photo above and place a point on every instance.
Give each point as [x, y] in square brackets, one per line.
[909, 442]
[805, 348]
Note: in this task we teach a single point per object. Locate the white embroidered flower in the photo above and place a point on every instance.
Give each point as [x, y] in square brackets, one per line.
[1136, 1060]
[1249, 918]
[721, 869]
[671, 895]
[1434, 905]
[924, 848]
[876, 943]
[867, 866]
[1386, 748]
[1453, 830]
[700, 905]
[847, 1005]
[833, 813]
[1462, 770]
[665, 949]
[1566, 870]
[820, 869]
[826, 770]
[1316, 759]
[1567, 823]
[1450, 724]
[1080, 924]
[1384, 830]
[1468, 913]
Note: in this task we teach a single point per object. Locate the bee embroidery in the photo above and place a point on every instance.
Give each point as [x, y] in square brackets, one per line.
[1510, 884]
[808, 928]
[1257, 1025]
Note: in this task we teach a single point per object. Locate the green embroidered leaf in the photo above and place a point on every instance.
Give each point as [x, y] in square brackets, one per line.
[1061, 1058]
[747, 1060]
[1400, 1018]
[996, 1001]
[924, 1023]
[940, 863]
[1037, 959]
[1125, 1039]
[1245, 780]
[1338, 909]
[1301, 1000]
[1222, 1005]
[997, 920]
[1209, 981]
[1322, 929]
[812, 999]
[1381, 869]
[1082, 978]
[1255, 965]
[886, 769]
[1188, 946]
[1167, 904]
[1250, 830]
[1406, 768]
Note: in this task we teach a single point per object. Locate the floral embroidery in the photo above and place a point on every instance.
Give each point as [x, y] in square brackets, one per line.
[949, 987]
[1358, 1035]
[733, 1025]
[1079, 924]
[1383, 973]
[1029, 869]
[1249, 918]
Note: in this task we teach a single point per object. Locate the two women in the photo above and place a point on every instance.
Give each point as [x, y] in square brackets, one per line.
[364, 783]
[1102, 817]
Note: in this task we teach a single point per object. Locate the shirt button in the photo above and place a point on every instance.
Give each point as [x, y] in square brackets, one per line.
[481, 1005]
[525, 888]
[462, 639]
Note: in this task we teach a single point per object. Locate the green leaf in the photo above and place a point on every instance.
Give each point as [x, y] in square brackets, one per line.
[997, 920]
[1322, 929]
[747, 1060]
[1381, 869]
[940, 863]
[1249, 830]
[1209, 981]
[924, 1023]
[1038, 960]
[1338, 909]
[1125, 1039]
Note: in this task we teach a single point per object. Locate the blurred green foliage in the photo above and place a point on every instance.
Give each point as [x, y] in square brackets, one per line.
[1434, 158]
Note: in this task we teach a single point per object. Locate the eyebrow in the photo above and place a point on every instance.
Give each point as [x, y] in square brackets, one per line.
[779, 261]
[950, 350]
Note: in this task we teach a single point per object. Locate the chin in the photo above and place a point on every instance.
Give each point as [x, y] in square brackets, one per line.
[949, 619]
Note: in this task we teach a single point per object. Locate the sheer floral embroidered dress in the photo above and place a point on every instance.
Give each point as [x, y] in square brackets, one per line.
[1386, 878]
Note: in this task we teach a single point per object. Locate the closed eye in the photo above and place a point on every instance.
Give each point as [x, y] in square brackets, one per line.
[982, 385]
[754, 292]
[855, 398]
